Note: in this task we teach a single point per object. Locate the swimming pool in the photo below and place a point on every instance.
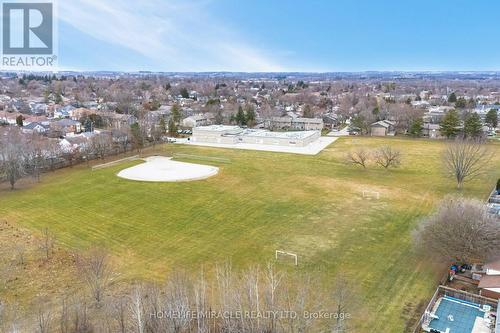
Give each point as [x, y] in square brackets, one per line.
[456, 315]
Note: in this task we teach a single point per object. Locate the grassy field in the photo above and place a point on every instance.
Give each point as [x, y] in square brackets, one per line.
[260, 202]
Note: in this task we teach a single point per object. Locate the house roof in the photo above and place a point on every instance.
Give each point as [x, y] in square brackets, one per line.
[67, 122]
[494, 265]
[33, 125]
[489, 281]
[309, 120]
[383, 123]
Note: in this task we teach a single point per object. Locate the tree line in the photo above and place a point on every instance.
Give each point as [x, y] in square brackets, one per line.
[256, 299]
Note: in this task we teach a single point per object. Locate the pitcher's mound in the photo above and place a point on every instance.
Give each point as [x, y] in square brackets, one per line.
[163, 169]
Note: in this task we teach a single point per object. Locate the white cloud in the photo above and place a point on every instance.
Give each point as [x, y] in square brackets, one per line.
[176, 35]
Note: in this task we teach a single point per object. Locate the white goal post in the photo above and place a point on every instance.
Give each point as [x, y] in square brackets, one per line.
[371, 195]
[284, 253]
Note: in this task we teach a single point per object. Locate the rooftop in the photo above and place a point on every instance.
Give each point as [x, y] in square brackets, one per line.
[280, 135]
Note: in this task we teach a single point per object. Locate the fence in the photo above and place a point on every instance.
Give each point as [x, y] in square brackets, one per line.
[458, 294]
[105, 165]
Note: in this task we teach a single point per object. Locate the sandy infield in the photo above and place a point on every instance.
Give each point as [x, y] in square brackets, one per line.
[163, 169]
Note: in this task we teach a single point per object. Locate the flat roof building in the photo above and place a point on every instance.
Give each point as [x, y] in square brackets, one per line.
[222, 134]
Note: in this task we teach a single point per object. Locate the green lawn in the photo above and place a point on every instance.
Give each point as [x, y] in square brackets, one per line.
[311, 205]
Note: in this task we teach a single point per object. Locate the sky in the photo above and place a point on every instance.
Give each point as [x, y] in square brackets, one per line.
[279, 35]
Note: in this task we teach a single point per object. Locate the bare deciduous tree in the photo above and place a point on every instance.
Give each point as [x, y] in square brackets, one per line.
[44, 321]
[102, 145]
[12, 156]
[344, 302]
[388, 157]
[461, 230]
[47, 244]
[359, 157]
[95, 270]
[137, 309]
[465, 159]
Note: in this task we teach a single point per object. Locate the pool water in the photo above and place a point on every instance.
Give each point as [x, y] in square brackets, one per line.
[463, 316]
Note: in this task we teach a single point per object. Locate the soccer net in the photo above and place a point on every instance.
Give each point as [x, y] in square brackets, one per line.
[289, 255]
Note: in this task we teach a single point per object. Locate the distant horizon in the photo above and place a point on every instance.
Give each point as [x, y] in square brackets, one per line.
[262, 72]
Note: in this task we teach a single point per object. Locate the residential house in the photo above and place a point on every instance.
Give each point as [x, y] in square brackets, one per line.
[79, 113]
[75, 143]
[482, 110]
[331, 120]
[38, 109]
[432, 131]
[296, 124]
[489, 284]
[436, 114]
[382, 128]
[67, 126]
[64, 112]
[36, 127]
[116, 120]
[162, 113]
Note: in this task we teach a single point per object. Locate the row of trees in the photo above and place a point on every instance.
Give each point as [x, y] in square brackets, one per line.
[463, 159]
[244, 117]
[23, 155]
[386, 157]
[258, 299]
[451, 125]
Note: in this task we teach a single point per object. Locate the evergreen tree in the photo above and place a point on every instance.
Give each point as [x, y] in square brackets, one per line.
[137, 137]
[492, 118]
[450, 126]
[416, 128]
[176, 113]
[240, 117]
[172, 128]
[250, 116]
[452, 98]
[87, 125]
[473, 127]
[20, 121]
[461, 103]
[184, 93]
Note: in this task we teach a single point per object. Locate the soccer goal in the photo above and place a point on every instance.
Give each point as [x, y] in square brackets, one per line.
[371, 195]
[281, 254]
